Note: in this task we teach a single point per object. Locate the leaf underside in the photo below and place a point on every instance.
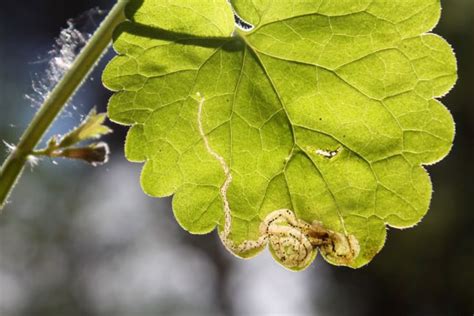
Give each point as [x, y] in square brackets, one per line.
[326, 108]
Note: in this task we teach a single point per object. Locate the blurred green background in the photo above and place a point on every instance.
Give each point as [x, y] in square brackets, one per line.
[77, 240]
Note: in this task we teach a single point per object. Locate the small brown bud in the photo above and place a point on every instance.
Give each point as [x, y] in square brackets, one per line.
[96, 154]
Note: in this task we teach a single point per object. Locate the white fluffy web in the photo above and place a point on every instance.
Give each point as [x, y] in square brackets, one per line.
[60, 57]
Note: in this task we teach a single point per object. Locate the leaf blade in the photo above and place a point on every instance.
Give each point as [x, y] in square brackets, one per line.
[316, 110]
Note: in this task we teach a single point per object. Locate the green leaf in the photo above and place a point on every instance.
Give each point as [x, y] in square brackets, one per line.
[310, 131]
[91, 128]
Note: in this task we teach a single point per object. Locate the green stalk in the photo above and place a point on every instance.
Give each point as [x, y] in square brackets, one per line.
[58, 98]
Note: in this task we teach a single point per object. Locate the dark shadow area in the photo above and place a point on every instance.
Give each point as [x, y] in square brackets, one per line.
[227, 43]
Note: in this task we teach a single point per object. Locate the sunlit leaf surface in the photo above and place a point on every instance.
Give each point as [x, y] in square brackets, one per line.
[308, 130]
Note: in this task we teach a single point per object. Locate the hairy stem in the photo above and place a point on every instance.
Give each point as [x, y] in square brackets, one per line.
[58, 98]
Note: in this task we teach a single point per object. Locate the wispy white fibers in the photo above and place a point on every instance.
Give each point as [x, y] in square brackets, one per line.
[62, 55]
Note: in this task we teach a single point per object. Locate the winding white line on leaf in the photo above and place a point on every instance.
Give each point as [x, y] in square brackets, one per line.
[292, 240]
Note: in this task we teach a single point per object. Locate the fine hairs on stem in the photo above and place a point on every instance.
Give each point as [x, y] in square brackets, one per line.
[58, 98]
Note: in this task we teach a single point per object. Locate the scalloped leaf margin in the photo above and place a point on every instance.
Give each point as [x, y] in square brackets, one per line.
[327, 108]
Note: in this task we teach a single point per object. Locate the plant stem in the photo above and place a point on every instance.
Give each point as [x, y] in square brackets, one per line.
[58, 98]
